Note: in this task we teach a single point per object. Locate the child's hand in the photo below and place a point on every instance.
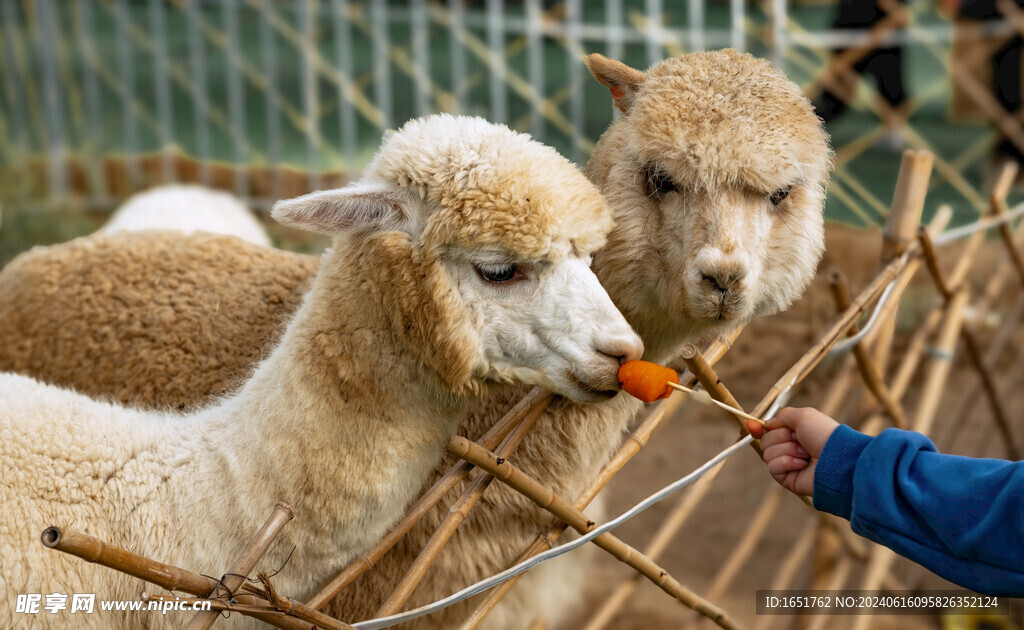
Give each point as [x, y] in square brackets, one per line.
[792, 442]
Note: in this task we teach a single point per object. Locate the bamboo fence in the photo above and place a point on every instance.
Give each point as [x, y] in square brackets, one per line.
[834, 555]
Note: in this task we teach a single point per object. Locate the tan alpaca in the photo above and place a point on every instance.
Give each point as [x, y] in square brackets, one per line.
[715, 175]
[451, 270]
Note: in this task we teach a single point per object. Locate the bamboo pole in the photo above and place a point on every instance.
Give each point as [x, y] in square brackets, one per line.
[971, 344]
[996, 348]
[755, 531]
[912, 357]
[888, 312]
[906, 369]
[940, 363]
[630, 447]
[165, 576]
[896, 270]
[1016, 257]
[881, 558]
[915, 350]
[918, 341]
[872, 355]
[1001, 188]
[666, 533]
[713, 385]
[244, 565]
[545, 498]
[837, 578]
[904, 217]
[708, 379]
[789, 567]
[531, 406]
[825, 541]
[94, 550]
[868, 369]
[836, 394]
[216, 605]
[831, 537]
[457, 514]
[265, 611]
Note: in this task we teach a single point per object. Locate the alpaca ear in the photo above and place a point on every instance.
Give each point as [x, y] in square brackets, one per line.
[620, 79]
[331, 212]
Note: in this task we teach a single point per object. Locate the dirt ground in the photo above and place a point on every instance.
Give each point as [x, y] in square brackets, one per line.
[722, 520]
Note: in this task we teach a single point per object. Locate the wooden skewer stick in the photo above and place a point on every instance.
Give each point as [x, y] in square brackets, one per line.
[705, 398]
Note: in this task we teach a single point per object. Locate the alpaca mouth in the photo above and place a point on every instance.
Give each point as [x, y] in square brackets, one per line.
[590, 388]
[716, 309]
[727, 306]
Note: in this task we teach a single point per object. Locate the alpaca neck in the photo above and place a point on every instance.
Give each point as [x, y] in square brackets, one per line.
[342, 421]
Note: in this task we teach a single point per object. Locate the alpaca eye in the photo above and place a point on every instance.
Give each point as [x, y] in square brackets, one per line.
[500, 274]
[780, 195]
[659, 184]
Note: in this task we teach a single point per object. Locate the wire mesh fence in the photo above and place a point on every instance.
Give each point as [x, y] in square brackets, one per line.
[272, 98]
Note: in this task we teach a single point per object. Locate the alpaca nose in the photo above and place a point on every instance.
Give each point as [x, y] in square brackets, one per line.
[722, 279]
[622, 348]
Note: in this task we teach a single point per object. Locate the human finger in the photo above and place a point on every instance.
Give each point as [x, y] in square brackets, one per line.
[786, 464]
[777, 436]
[790, 449]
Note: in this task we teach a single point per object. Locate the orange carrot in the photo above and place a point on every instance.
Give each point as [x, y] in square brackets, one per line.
[647, 381]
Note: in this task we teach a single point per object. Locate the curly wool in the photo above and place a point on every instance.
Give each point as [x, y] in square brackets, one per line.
[148, 319]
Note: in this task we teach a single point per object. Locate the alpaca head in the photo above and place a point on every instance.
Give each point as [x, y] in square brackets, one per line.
[716, 174]
[484, 239]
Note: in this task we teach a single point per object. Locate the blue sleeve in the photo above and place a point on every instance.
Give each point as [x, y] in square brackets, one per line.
[960, 517]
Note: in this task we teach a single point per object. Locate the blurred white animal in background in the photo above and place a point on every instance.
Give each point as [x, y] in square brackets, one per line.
[188, 208]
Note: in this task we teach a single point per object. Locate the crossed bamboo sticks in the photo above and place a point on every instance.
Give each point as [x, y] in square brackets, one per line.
[230, 593]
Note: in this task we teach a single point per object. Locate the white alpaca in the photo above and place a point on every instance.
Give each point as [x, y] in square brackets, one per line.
[460, 260]
[187, 208]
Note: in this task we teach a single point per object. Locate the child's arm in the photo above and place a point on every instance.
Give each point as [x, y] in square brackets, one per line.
[961, 517]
